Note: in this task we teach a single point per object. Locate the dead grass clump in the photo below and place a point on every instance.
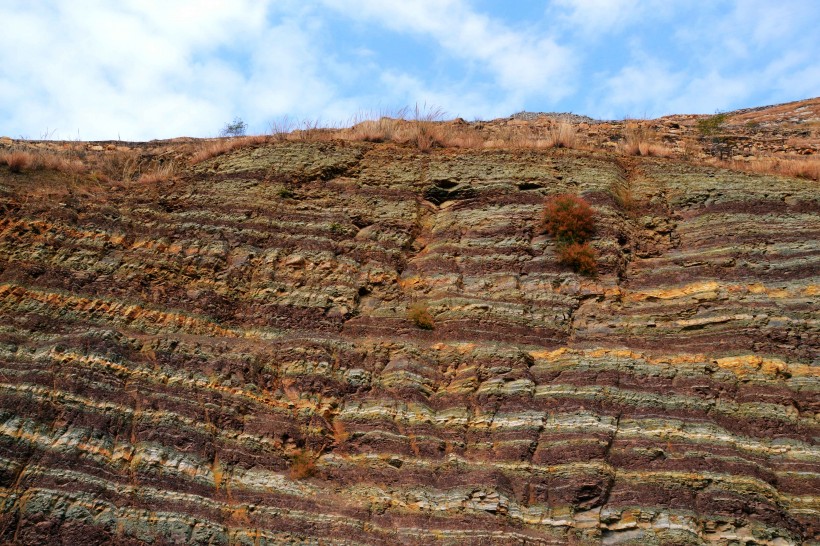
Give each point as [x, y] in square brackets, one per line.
[579, 256]
[804, 167]
[562, 135]
[161, 173]
[223, 146]
[383, 129]
[119, 165]
[801, 168]
[20, 160]
[621, 192]
[280, 128]
[558, 135]
[424, 129]
[641, 140]
[422, 135]
[420, 316]
[17, 160]
[313, 130]
[461, 136]
[64, 165]
[213, 149]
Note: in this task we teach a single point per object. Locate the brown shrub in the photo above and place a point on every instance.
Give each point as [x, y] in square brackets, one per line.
[17, 160]
[581, 257]
[569, 219]
[420, 316]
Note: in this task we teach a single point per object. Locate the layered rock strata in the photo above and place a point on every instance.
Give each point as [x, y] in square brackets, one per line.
[227, 358]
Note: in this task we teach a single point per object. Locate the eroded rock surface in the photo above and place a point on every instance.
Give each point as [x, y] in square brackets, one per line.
[227, 358]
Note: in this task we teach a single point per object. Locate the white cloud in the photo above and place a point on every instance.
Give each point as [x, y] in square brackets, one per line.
[599, 17]
[151, 69]
[161, 68]
[522, 62]
[745, 53]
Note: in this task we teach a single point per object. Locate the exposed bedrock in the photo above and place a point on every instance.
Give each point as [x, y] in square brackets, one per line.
[228, 358]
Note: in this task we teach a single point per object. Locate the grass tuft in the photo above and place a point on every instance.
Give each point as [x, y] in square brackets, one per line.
[17, 160]
[420, 316]
[160, 173]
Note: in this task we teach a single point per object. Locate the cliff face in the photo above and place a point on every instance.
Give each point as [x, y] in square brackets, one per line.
[227, 357]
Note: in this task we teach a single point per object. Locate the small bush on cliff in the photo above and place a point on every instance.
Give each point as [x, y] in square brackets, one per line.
[569, 219]
[579, 256]
[302, 465]
[711, 125]
[235, 128]
[420, 316]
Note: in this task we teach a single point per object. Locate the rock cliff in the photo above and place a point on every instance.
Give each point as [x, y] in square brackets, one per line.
[226, 356]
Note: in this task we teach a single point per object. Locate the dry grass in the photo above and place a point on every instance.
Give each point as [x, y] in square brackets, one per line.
[641, 140]
[562, 135]
[21, 160]
[160, 173]
[558, 135]
[215, 148]
[423, 128]
[423, 135]
[621, 192]
[460, 136]
[519, 138]
[423, 131]
[280, 128]
[384, 129]
[64, 165]
[119, 165]
[803, 167]
[17, 160]
[420, 316]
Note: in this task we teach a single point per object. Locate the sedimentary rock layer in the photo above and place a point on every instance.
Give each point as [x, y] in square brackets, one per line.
[227, 358]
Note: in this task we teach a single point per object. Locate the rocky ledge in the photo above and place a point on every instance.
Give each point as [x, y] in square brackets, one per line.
[226, 357]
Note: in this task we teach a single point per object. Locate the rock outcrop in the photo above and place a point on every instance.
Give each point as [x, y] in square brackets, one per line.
[227, 358]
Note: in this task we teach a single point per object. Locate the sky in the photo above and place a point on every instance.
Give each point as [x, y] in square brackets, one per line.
[148, 69]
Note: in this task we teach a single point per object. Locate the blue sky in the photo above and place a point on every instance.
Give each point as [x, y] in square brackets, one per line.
[144, 69]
